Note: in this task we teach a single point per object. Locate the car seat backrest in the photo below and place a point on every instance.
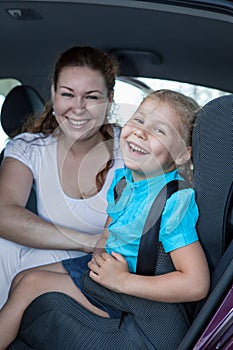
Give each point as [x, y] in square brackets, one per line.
[213, 174]
[21, 102]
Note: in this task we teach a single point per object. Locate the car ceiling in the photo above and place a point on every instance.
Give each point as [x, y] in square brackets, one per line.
[187, 41]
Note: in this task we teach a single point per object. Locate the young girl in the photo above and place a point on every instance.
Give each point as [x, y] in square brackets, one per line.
[155, 142]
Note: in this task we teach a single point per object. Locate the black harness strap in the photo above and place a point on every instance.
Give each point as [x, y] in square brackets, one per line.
[147, 250]
[119, 189]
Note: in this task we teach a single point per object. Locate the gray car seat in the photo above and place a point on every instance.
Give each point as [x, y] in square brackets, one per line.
[21, 102]
[213, 182]
[52, 321]
[213, 174]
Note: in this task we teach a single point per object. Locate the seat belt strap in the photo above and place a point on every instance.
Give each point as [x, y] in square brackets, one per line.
[146, 261]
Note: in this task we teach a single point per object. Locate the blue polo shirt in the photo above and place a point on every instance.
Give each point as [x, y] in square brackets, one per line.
[129, 213]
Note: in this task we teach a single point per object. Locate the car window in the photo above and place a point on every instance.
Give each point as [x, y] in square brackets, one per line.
[201, 94]
[128, 95]
[129, 92]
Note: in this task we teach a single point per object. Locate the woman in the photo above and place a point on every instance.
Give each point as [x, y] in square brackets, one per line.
[69, 154]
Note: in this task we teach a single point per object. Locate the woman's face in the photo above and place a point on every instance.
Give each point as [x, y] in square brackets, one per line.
[80, 102]
[151, 141]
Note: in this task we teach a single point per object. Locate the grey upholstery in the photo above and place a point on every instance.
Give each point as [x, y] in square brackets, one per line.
[213, 175]
[213, 161]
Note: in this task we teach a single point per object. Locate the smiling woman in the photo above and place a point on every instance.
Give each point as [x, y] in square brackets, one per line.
[69, 153]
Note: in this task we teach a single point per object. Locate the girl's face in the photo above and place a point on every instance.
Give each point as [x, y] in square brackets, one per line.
[151, 141]
[80, 102]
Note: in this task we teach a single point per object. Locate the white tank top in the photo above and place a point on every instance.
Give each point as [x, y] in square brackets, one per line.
[40, 156]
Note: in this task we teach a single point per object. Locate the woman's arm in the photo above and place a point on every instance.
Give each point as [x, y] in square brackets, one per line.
[19, 225]
[190, 281]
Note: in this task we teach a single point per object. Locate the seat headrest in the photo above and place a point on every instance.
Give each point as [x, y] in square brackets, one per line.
[20, 102]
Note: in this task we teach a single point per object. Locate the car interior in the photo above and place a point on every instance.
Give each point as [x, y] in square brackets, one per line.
[171, 40]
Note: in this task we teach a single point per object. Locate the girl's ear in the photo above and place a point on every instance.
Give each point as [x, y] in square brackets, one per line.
[184, 156]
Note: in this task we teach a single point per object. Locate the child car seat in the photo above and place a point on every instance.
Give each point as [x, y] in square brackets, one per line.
[213, 174]
[213, 182]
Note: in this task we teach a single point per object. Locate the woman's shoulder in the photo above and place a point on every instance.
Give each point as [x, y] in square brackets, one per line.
[37, 138]
[28, 148]
[28, 140]
[26, 143]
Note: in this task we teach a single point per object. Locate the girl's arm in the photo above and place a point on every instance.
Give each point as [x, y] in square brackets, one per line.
[20, 225]
[190, 281]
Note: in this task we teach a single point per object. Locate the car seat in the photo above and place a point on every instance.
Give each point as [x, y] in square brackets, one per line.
[213, 182]
[213, 174]
[21, 102]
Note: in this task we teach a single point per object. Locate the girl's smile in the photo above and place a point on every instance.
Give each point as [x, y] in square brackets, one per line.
[136, 149]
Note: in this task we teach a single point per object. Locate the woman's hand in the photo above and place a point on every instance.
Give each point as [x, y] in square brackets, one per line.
[111, 271]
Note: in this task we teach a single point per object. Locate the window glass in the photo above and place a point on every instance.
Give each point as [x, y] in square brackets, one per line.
[128, 97]
[200, 93]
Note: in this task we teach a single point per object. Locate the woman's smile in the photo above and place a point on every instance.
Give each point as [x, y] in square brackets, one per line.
[77, 124]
